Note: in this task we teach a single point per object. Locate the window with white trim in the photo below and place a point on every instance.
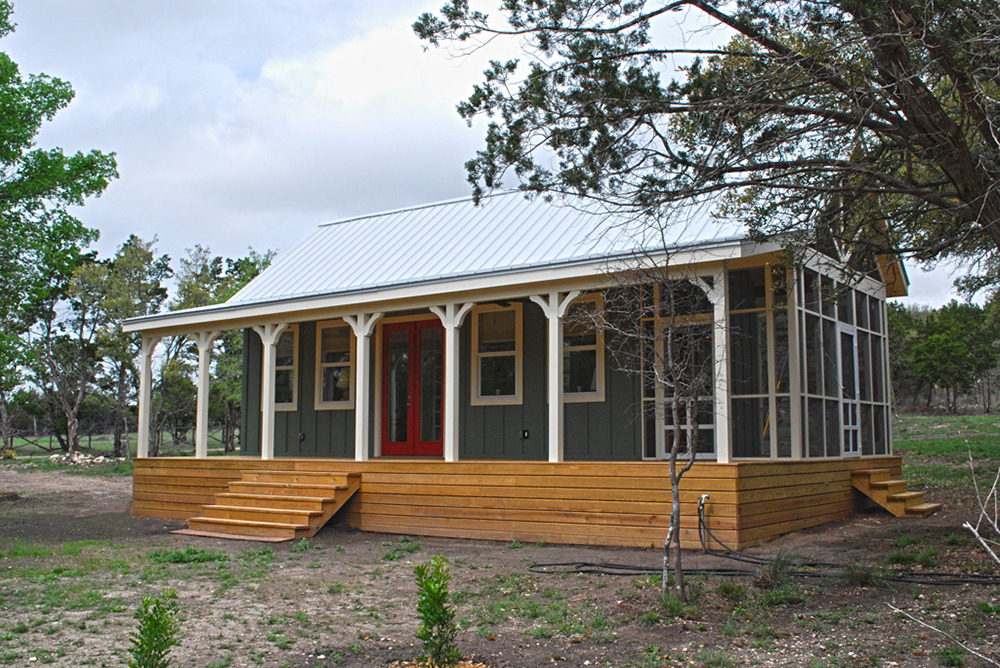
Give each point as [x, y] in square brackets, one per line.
[334, 366]
[286, 364]
[496, 354]
[583, 350]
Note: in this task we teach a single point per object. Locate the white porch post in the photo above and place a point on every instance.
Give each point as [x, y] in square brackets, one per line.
[717, 294]
[554, 309]
[363, 325]
[204, 340]
[145, 393]
[268, 334]
[451, 317]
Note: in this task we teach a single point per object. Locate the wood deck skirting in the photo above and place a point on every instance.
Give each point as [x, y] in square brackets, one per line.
[589, 503]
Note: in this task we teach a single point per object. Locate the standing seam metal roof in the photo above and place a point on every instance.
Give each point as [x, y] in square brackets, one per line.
[458, 239]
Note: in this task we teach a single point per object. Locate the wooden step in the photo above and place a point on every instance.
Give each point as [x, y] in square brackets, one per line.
[276, 505]
[247, 527]
[271, 501]
[905, 496]
[229, 536]
[307, 477]
[280, 515]
[890, 486]
[891, 494]
[286, 488]
[873, 475]
[923, 509]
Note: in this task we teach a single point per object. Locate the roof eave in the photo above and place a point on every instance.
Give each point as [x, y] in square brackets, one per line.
[231, 316]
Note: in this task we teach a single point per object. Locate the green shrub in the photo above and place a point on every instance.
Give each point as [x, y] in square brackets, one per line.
[951, 655]
[157, 631]
[437, 629]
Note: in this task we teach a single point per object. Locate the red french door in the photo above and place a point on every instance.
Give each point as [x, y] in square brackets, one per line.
[412, 388]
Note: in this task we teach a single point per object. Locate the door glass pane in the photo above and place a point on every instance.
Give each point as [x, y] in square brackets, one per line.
[830, 359]
[397, 384]
[832, 426]
[431, 357]
[847, 366]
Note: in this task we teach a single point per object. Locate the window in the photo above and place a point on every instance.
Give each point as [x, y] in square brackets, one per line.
[334, 366]
[286, 355]
[496, 354]
[583, 351]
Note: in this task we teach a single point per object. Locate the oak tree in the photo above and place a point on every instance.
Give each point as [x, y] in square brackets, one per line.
[41, 242]
[874, 121]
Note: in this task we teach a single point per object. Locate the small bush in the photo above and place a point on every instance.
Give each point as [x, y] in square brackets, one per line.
[928, 558]
[900, 558]
[731, 591]
[775, 572]
[157, 631]
[438, 629]
[859, 575]
[675, 608]
[951, 655]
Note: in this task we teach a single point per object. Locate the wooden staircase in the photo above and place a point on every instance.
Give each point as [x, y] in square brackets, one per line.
[879, 486]
[274, 506]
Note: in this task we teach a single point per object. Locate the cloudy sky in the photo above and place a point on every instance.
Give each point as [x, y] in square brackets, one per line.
[246, 123]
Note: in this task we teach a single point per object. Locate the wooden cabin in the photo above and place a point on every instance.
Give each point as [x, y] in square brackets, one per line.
[422, 372]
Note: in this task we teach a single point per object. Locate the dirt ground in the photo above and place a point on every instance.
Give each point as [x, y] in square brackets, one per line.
[75, 565]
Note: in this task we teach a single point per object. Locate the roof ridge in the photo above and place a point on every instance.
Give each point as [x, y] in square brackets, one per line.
[418, 207]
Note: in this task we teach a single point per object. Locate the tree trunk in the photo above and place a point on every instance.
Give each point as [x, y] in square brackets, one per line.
[7, 447]
[72, 433]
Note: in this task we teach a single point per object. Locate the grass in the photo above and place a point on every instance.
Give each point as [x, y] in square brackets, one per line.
[189, 555]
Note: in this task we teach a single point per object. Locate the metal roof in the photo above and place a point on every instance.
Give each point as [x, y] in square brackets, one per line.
[456, 239]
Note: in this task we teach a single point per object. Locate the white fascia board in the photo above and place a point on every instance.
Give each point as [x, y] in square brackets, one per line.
[483, 287]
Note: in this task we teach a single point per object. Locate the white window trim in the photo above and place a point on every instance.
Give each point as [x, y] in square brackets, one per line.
[293, 405]
[318, 403]
[507, 400]
[598, 347]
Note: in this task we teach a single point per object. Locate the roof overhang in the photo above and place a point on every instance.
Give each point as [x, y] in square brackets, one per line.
[482, 287]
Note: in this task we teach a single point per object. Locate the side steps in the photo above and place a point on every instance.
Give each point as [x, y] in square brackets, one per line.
[275, 506]
[891, 494]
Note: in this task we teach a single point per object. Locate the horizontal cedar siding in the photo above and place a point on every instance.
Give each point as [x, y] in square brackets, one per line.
[573, 502]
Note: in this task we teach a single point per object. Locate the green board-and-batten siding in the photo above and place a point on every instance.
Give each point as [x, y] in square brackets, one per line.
[594, 431]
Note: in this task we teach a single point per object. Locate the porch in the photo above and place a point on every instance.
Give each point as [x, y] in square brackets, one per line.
[586, 503]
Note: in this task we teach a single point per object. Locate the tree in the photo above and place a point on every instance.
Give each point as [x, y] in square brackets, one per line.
[658, 325]
[956, 347]
[873, 121]
[40, 241]
[65, 354]
[128, 285]
[202, 280]
[229, 346]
